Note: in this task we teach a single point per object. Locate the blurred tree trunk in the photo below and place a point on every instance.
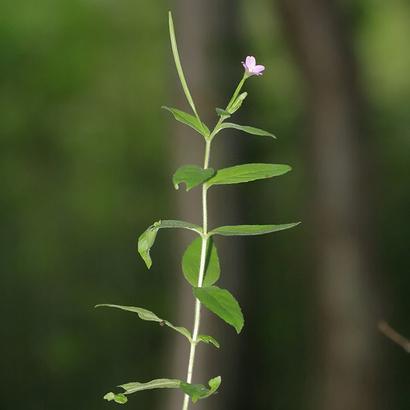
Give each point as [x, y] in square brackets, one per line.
[344, 372]
[203, 30]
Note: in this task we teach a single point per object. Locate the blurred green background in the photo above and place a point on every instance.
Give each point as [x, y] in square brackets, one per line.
[86, 159]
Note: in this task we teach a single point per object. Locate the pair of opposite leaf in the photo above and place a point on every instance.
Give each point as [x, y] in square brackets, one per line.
[195, 391]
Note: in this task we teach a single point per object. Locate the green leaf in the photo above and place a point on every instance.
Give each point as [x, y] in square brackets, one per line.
[192, 175]
[118, 398]
[179, 68]
[145, 242]
[153, 384]
[179, 224]
[222, 303]
[214, 384]
[147, 239]
[191, 263]
[249, 130]
[199, 391]
[222, 113]
[246, 173]
[189, 120]
[136, 387]
[178, 62]
[237, 104]
[247, 230]
[149, 316]
[195, 391]
[207, 339]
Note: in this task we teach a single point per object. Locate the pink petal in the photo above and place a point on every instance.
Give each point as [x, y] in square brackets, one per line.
[250, 62]
[258, 69]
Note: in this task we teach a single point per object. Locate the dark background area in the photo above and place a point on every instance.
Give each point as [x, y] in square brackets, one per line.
[86, 164]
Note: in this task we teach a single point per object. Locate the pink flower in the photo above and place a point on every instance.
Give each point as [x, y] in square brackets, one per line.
[250, 66]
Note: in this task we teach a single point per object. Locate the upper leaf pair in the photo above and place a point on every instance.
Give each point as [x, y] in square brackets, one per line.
[193, 175]
[194, 121]
[147, 239]
[201, 128]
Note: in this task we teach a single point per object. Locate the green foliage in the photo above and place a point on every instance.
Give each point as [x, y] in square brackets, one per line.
[222, 113]
[147, 239]
[237, 103]
[222, 303]
[200, 263]
[135, 387]
[147, 315]
[118, 398]
[192, 260]
[145, 242]
[249, 230]
[199, 391]
[179, 69]
[192, 175]
[153, 384]
[179, 224]
[247, 173]
[249, 130]
[189, 120]
[83, 148]
[208, 339]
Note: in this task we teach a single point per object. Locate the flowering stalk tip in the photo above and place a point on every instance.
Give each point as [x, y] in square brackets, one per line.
[251, 68]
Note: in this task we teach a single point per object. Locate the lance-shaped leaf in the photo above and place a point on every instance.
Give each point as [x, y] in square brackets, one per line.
[189, 120]
[222, 303]
[208, 339]
[246, 173]
[192, 175]
[147, 239]
[248, 230]
[199, 391]
[191, 263]
[149, 316]
[179, 69]
[153, 384]
[179, 224]
[135, 387]
[249, 130]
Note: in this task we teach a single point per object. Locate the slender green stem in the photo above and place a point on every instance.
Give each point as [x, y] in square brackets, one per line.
[197, 319]
[204, 235]
[238, 89]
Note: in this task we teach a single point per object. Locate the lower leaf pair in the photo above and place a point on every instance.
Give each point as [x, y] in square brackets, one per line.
[195, 391]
